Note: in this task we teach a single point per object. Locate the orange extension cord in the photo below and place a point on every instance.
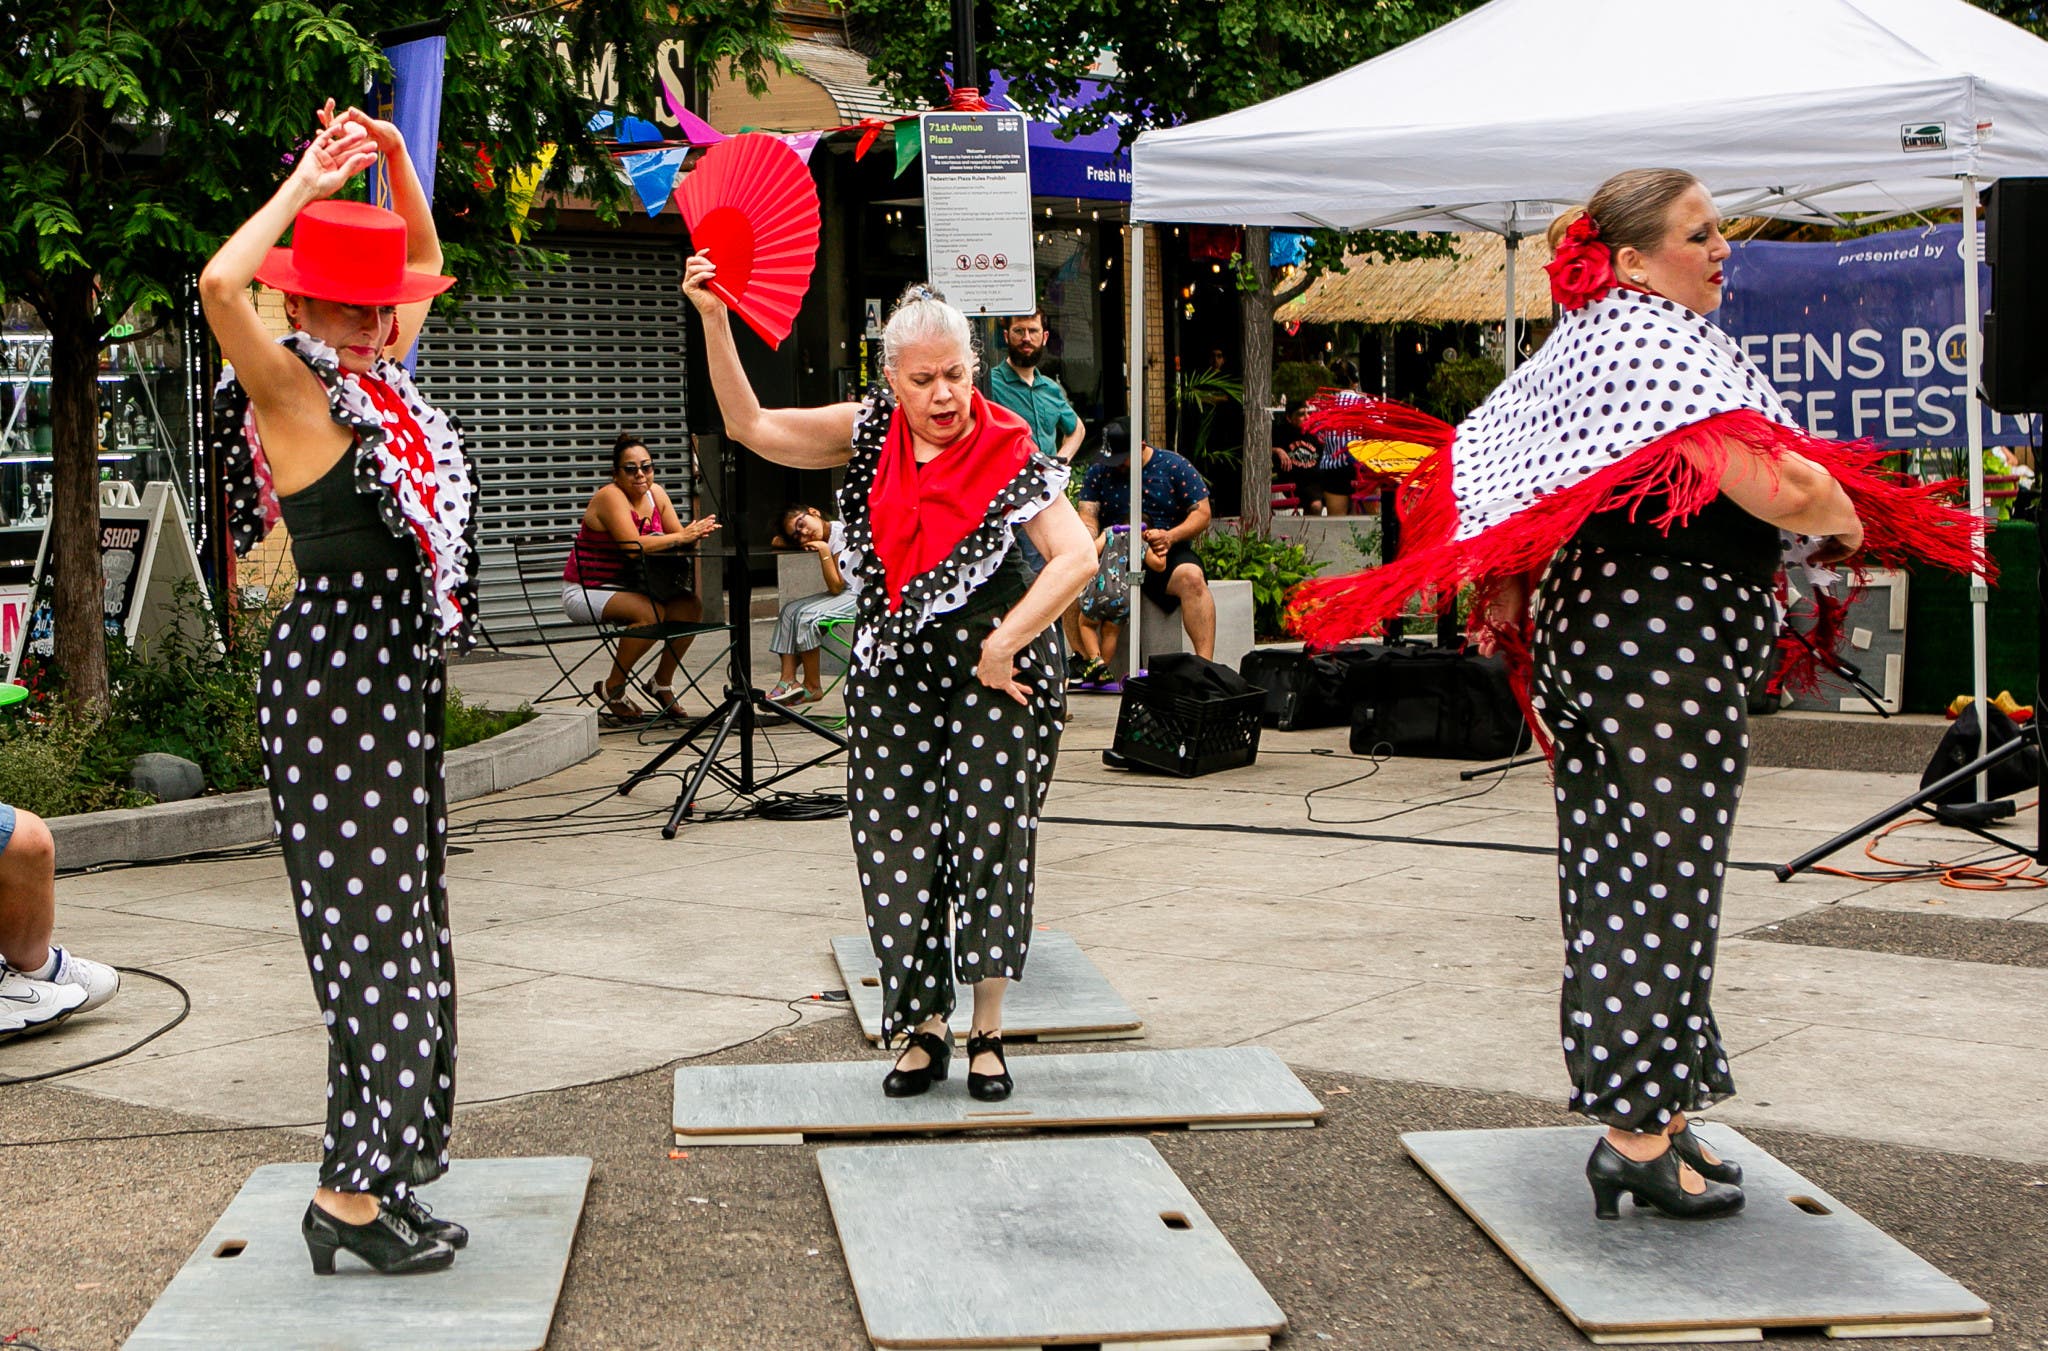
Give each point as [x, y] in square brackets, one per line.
[1997, 874]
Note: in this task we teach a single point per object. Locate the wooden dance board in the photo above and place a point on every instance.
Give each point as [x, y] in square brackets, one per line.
[1027, 1243]
[1061, 996]
[1209, 1089]
[1794, 1257]
[250, 1286]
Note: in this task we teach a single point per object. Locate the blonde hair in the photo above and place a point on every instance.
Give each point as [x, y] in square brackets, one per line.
[1632, 208]
[921, 315]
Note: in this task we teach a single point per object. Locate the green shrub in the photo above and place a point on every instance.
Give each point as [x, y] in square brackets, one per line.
[183, 691]
[1296, 380]
[470, 723]
[1460, 384]
[1273, 566]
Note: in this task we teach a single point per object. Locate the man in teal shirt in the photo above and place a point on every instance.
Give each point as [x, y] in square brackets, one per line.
[1017, 385]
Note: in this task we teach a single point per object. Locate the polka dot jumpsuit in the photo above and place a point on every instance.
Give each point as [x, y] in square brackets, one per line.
[350, 706]
[945, 777]
[1643, 663]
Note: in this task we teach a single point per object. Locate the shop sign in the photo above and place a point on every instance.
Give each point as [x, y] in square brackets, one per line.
[977, 211]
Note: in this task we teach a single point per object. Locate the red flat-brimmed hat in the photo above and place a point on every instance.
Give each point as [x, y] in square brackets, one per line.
[350, 252]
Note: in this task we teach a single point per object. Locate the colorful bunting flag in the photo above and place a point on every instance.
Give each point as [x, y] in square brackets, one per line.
[653, 173]
[520, 186]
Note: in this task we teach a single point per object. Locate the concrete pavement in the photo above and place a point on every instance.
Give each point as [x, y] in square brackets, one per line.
[1406, 932]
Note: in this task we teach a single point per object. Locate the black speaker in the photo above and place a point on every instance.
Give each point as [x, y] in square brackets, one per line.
[2016, 326]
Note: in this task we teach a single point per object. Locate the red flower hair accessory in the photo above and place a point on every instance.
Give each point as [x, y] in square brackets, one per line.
[1583, 270]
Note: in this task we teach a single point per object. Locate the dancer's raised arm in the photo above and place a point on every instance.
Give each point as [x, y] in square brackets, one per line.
[802, 438]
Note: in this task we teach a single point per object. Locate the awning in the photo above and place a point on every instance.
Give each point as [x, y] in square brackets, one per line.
[1463, 288]
[1096, 166]
[829, 88]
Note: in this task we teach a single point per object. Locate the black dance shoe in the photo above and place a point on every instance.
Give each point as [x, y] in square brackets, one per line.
[416, 1213]
[988, 1087]
[909, 1083]
[1655, 1184]
[1693, 1153]
[388, 1243]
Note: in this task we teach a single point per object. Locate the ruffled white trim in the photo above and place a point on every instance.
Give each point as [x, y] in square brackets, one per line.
[449, 526]
[970, 576]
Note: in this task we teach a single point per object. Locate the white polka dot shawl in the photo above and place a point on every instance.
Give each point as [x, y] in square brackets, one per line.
[439, 516]
[1633, 403]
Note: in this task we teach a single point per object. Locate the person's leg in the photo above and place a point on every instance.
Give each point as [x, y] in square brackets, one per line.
[28, 892]
[683, 609]
[1112, 634]
[988, 1022]
[1336, 504]
[1088, 639]
[1197, 608]
[628, 609]
[814, 679]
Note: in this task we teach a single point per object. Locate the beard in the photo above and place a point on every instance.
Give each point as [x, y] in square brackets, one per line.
[1026, 360]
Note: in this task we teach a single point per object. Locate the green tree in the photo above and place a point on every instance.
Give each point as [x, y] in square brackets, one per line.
[134, 138]
[1178, 61]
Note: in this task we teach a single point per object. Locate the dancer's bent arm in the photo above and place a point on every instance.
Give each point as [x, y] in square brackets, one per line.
[1058, 534]
[802, 438]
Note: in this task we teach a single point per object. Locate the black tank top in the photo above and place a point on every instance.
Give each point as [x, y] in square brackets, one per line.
[336, 528]
[1720, 535]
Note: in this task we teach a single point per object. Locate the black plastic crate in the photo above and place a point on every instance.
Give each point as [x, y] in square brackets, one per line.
[1177, 735]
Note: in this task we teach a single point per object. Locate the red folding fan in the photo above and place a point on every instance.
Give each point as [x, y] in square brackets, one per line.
[750, 204]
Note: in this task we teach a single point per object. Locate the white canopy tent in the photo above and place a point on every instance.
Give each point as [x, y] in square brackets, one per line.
[1801, 109]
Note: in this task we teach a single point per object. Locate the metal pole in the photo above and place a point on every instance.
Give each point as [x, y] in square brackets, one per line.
[1133, 626]
[1980, 590]
[1507, 346]
[966, 66]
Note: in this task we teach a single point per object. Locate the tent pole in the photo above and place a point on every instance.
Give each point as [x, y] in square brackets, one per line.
[1507, 345]
[1973, 356]
[1133, 619]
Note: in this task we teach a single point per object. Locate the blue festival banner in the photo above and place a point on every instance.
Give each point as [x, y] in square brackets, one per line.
[1092, 167]
[412, 100]
[1864, 338]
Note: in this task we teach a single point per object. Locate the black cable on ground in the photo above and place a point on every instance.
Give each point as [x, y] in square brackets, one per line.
[184, 1011]
[792, 1004]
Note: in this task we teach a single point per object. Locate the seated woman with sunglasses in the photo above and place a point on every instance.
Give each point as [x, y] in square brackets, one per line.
[627, 518]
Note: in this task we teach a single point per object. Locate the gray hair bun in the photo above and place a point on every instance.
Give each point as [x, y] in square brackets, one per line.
[922, 317]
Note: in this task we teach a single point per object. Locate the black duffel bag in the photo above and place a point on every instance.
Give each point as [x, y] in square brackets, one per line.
[1435, 701]
[2010, 777]
[1305, 690]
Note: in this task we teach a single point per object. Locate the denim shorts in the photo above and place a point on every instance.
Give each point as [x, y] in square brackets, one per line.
[6, 826]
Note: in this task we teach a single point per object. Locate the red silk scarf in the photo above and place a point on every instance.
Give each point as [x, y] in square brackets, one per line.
[919, 513]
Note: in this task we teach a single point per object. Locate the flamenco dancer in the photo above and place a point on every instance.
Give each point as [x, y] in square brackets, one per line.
[957, 683]
[374, 485]
[1620, 502]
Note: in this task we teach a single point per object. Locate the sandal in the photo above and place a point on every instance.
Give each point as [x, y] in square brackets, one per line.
[614, 709]
[665, 695]
[786, 692]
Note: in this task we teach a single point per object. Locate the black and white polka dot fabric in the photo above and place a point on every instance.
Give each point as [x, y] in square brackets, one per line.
[1642, 672]
[449, 524]
[945, 777]
[349, 707]
[1614, 377]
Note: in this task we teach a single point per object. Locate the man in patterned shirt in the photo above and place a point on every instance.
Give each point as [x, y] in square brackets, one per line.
[1175, 510]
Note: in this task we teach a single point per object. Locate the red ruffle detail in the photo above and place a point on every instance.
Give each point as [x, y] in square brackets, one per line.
[1903, 521]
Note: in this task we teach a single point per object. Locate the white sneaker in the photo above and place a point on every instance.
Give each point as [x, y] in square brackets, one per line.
[34, 1005]
[97, 979]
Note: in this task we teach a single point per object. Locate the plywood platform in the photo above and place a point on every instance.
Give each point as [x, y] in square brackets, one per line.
[1062, 996]
[1794, 1257]
[251, 1287]
[1038, 1242]
[1213, 1089]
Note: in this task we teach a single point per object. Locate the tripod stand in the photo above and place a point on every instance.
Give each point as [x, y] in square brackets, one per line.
[740, 712]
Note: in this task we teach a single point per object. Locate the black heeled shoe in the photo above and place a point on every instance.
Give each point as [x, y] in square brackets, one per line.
[416, 1213]
[388, 1243]
[902, 1083]
[1653, 1183]
[988, 1087]
[1693, 1152]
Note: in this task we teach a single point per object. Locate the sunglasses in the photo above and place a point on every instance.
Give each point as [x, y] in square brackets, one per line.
[637, 469]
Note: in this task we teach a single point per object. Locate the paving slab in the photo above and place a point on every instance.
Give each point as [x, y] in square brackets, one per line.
[1212, 1088]
[250, 1287]
[1039, 1241]
[1060, 997]
[1793, 1257]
